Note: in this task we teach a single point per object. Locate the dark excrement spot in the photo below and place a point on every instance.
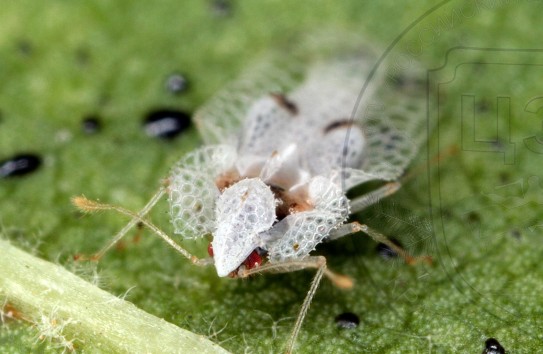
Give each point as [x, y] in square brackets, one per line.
[347, 320]
[19, 165]
[91, 125]
[166, 123]
[492, 346]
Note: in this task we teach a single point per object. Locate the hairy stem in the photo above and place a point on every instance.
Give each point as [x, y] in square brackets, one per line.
[72, 312]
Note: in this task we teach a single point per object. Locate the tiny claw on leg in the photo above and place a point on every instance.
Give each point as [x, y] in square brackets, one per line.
[87, 205]
[339, 280]
[416, 260]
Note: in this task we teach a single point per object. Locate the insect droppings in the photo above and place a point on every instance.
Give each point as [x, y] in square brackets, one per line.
[347, 320]
[19, 165]
[166, 123]
[492, 346]
[91, 125]
[176, 83]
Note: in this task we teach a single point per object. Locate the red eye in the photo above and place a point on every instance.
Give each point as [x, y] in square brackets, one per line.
[254, 260]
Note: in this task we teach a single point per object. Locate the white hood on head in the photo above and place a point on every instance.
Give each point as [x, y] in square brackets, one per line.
[243, 211]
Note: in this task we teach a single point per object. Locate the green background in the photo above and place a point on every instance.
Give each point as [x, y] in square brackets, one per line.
[61, 61]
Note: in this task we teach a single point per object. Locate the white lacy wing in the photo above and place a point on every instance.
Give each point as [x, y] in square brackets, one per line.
[193, 191]
[395, 126]
[335, 92]
[389, 114]
[296, 235]
[220, 119]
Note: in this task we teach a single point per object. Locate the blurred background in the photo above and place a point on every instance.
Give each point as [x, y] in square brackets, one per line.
[82, 86]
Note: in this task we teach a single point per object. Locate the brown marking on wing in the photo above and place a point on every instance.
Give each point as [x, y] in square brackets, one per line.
[244, 196]
[339, 124]
[285, 103]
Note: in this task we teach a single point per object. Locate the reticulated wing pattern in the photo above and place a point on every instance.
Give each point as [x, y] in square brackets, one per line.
[335, 150]
[394, 125]
[193, 192]
[301, 232]
[330, 138]
[221, 118]
[328, 197]
[245, 209]
[298, 234]
[328, 97]
[265, 128]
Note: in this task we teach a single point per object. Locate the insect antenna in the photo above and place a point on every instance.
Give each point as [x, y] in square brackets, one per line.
[88, 205]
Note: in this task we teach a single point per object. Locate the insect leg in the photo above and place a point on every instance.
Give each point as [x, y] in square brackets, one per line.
[92, 206]
[353, 227]
[341, 281]
[318, 262]
[344, 230]
[379, 237]
[305, 305]
[366, 200]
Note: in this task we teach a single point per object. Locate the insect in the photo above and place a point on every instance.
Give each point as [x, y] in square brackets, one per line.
[284, 144]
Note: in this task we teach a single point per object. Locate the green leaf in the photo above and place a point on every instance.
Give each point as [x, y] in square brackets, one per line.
[62, 61]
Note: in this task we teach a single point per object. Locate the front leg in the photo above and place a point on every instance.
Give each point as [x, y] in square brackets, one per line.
[318, 262]
[93, 206]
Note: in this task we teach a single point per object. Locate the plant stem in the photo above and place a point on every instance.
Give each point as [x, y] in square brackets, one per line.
[74, 314]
